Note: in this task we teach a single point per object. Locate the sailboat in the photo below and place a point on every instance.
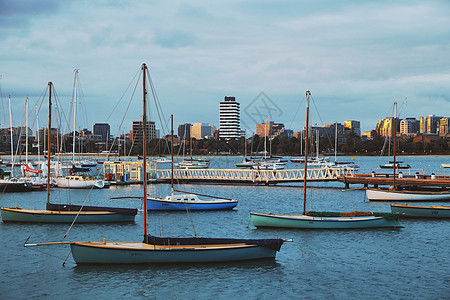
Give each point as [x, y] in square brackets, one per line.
[413, 211]
[399, 193]
[187, 201]
[76, 181]
[325, 220]
[65, 213]
[246, 162]
[166, 249]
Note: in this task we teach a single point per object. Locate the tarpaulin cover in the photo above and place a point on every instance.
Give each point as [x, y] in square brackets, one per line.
[274, 244]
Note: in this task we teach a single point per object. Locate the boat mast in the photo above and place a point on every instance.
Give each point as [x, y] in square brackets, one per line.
[335, 143]
[171, 155]
[26, 129]
[39, 142]
[74, 114]
[12, 141]
[48, 139]
[394, 131]
[144, 154]
[308, 93]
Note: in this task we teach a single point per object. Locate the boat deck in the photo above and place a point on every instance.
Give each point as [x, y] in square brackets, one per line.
[144, 246]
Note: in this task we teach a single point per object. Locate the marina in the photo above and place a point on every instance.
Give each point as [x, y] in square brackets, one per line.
[365, 256]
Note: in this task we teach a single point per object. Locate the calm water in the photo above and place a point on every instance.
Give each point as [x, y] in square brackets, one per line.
[366, 264]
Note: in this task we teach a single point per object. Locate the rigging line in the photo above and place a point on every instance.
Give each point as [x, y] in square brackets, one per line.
[320, 117]
[298, 109]
[118, 102]
[190, 218]
[76, 217]
[123, 119]
[157, 103]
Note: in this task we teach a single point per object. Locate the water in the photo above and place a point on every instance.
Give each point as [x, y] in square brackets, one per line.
[411, 262]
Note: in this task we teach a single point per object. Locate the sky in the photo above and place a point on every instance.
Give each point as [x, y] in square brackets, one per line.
[356, 58]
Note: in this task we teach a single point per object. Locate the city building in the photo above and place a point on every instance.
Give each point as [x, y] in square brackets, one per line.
[432, 124]
[202, 130]
[102, 129]
[409, 126]
[137, 131]
[354, 126]
[184, 131]
[229, 119]
[423, 127]
[385, 127]
[443, 127]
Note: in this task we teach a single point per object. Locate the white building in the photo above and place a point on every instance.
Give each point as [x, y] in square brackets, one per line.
[230, 120]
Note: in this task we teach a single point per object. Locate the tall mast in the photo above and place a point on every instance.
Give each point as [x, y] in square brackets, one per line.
[39, 142]
[74, 114]
[171, 155]
[394, 131]
[335, 142]
[48, 139]
[308, 93]
[144, 141]
[26, 129]
[12, 141]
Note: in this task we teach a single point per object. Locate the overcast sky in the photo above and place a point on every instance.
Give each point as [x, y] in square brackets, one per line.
[356, 58]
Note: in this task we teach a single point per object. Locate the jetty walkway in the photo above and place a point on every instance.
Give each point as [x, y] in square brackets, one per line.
[250, 176]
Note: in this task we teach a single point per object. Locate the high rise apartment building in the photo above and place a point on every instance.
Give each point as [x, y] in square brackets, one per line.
[409, 126]
[137, 131]
[230, 120]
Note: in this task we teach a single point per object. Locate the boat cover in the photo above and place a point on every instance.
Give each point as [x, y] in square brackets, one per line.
[71, 207]
[273, 244]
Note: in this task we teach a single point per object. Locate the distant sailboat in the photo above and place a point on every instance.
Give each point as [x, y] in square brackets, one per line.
[65, 213]
[325, 220]
[166, 249]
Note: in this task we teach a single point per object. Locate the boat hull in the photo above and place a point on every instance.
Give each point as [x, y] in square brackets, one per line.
[409, 211]
[309, 222]
[140, 253]
[19, 215]
[78, 184]
[13, 187]
[391, 195]
[160, 204]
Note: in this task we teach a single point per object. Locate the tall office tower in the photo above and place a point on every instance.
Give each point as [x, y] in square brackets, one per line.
[354, 126]
[230, 120]
[184, 131]
[101, 129]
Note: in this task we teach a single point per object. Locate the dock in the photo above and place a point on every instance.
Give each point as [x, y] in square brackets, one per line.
[387, 179]
[249, 176]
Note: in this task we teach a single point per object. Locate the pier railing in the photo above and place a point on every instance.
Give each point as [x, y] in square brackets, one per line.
[253, 176]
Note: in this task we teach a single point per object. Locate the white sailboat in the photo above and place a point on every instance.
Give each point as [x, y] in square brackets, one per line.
[325, 220]
[187, 201]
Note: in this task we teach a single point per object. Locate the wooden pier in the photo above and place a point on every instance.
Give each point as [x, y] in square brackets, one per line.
[387, 179]
[252, 176]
